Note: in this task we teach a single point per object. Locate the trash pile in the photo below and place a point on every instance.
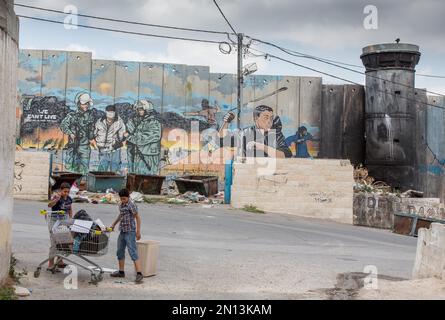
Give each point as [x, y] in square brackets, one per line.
[109, 197]
[365, 183]
[171, 195]
[194, 197]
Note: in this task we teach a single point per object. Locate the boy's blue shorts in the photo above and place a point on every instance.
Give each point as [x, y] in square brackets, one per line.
[127, 239]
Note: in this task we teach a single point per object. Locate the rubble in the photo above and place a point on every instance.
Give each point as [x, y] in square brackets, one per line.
[172, 197]
[365, 183]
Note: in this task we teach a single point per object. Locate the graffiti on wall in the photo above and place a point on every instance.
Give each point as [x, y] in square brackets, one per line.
[18, 176]
[99, 115]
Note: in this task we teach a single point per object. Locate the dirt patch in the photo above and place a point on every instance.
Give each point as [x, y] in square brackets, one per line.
[350, 284]
[421, 289]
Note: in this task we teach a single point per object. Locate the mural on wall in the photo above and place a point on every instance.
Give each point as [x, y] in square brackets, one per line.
[130, 117]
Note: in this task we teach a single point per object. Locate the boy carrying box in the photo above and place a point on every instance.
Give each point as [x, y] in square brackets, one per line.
[130, 231]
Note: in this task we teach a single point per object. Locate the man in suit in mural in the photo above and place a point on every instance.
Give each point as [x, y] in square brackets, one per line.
[79, 126]
[109, 136]
[264, 139]
[144, 140]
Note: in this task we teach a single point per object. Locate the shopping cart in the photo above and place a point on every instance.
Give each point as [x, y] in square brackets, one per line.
[64, 243]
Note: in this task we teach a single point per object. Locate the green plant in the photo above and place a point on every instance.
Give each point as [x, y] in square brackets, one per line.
[252, 209]
[7, 293]
[13, 274]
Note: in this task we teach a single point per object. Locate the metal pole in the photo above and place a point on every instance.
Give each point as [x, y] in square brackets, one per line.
[240, 79]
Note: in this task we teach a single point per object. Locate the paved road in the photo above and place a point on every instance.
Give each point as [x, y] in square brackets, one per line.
[220, 253]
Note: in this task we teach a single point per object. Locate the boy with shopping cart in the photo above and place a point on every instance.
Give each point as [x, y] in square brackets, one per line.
[61, 206]
[130, 231]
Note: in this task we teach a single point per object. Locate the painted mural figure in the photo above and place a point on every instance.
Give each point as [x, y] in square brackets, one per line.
[144, 140]
[301, 138]
[79, 126]
[108, 139]
[264, 138]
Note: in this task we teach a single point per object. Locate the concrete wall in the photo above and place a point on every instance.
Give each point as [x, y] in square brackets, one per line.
[431, 168]
[31, 175]
[342, 131]
[320, 189]
[8, 95]
[430, 256]
[50, 80]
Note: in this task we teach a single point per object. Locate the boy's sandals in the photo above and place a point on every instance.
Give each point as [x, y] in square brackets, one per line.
[139, 279]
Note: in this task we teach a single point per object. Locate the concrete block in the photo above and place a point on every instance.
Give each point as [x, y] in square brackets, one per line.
[304, 187]
[31, 175]
[430, 255]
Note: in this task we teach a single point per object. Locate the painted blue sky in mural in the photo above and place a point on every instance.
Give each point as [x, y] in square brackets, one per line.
[328, 28]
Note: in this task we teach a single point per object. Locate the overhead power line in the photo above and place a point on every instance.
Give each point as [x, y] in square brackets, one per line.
[302, 55]
[121, 31]
[343, 79]
[224, 16]
[430, 76]
[123, 21]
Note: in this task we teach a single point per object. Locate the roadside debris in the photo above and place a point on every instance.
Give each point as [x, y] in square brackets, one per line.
[171, 197]
[365, 183]
[22, 292]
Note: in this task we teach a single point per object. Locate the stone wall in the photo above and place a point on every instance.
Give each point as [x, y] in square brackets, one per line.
[430, 256]
[8, 95]
[375, 210]
[31, 175]
[320, 189]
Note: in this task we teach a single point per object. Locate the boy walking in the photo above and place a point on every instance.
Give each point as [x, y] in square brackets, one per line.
[130, 231]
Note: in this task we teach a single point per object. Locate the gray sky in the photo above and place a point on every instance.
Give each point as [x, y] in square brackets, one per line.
[328, 28]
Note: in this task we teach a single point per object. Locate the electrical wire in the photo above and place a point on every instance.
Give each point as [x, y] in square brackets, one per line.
[302, 55]
[224, 16]
[121, 31]
[344, 79]
[123, 21]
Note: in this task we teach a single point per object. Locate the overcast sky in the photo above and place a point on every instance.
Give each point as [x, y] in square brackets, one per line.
[330, 29]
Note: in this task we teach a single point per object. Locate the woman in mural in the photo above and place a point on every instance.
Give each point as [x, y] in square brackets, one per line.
[79, 126]
[144, 140]
[109, 136]
[301, 138]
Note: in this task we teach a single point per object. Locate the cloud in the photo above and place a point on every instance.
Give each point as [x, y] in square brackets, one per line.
[180, 52]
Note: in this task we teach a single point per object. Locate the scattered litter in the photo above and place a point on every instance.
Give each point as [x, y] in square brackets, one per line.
[105, 270]
[74, 190]
[412, 194]
[365, 183]
[22, 292]
[176, 201]
[207, 206]
[137, 197]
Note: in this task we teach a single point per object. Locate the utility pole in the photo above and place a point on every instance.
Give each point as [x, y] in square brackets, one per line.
[240, 79]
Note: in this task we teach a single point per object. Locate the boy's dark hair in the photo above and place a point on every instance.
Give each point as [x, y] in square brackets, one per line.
[65, 185]
[124, 193]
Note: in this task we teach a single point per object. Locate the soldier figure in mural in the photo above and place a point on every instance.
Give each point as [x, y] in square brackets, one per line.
[144, 140]
[264, 139]
[79, 126]
[109, 136]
